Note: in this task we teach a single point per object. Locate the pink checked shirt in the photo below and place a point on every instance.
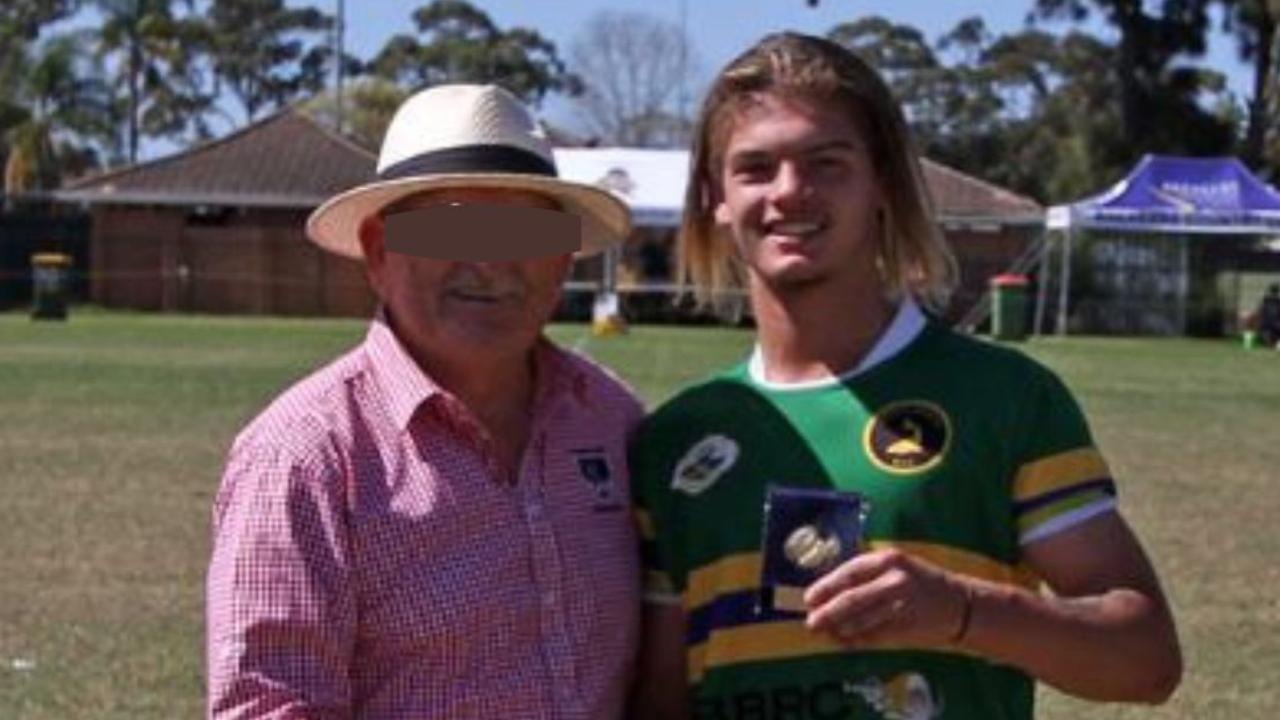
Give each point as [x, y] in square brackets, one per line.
[368, 561]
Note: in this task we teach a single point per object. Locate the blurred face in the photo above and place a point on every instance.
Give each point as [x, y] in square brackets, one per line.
[459, 308]
[799, 194]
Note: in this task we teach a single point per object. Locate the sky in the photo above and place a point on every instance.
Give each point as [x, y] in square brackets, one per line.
[721, 29]
[718, 29]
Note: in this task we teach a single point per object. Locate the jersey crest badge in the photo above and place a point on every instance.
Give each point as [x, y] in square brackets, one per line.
[907, 437]
[704, 464]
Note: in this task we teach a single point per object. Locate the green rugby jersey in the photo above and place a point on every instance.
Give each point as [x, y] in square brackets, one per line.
[964, 449]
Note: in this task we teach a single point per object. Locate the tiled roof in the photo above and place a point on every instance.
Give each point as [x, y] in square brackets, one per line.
[285, 160]
[289, 160]
[957, 195]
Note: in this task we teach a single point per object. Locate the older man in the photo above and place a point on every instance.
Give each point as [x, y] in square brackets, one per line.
[434, 525]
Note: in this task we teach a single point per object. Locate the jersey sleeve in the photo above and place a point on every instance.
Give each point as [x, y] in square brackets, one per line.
[654, 514]
[1061, 478]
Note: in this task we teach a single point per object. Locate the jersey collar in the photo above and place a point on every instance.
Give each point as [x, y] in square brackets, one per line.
[908, 322]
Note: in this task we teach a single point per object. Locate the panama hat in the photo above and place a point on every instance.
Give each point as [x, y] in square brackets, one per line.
[465, 136]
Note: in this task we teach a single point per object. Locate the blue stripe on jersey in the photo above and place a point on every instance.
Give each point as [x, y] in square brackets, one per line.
[1106, 485]
[726, 611]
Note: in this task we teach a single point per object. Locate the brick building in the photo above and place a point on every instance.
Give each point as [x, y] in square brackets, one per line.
[219, 228]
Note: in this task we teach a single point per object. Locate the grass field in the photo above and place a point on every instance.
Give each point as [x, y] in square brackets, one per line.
[113, 429]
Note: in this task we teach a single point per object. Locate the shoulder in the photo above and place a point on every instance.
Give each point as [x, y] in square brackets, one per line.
[599, 385]
[304, 422]
[702, 416]
[983, 363]
[708, 393]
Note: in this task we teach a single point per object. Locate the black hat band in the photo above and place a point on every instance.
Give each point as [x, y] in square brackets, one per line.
[471, 159]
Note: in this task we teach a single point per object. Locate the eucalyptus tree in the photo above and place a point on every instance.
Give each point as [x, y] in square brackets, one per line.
[1153, 39]
[456, 41]
[265, 53]
[368, 104]
[150, 48]
[1255, 24]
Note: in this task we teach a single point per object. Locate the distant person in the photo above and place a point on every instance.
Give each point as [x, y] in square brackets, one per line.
[1269, 317]
[982, 478]
[435, 525]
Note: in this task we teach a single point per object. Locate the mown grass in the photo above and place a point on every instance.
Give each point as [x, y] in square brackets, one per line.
[113, 429]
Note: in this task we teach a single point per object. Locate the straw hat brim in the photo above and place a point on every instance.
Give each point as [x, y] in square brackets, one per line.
[335, 225]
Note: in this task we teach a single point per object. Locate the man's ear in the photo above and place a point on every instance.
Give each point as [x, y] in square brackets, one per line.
[373, 244]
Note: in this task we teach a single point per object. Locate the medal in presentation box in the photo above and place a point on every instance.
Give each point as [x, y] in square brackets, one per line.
[807, 533]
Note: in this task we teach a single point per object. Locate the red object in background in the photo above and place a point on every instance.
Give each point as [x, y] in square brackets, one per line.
[1010, 280]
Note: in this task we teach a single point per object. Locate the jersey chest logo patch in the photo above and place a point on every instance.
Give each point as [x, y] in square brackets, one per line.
[704, 464]
[907, 437]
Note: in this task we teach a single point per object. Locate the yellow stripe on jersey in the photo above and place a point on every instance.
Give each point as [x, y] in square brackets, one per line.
[783, 639]
[764, 641]
[1059, 471]
[741, 572]
[777, 640]
[728, 575]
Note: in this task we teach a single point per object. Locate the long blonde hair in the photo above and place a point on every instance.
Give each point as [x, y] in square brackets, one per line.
[913, 256]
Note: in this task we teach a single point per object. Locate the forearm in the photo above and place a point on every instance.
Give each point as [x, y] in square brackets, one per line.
[1119, 645]
[661, 689]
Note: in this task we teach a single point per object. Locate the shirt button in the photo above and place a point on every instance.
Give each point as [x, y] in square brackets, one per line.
[533, 511]
[549, 599]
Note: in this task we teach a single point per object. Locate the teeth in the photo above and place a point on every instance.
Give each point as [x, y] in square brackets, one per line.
[795, 228]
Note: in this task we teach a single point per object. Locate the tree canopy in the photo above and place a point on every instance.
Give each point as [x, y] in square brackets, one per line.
[1050, 109]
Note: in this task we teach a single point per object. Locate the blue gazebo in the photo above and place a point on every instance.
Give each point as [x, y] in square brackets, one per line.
[1178, 196]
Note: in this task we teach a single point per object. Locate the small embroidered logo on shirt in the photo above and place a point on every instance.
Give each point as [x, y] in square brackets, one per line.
[593, 466]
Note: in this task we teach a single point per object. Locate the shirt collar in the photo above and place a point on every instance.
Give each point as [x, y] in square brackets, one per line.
[907, 324]
[406, 386]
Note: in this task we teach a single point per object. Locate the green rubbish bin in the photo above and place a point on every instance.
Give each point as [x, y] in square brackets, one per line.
[50, 276]
[1009, 307]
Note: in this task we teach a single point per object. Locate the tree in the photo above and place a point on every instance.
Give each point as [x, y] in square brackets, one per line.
[368, 105]
[458, 42]
[21, 24]
[266, 53]
[635, 71]
[24, 19]
[1147, 46]
[1254, 24]
[1033, 111]
[147, 45]
[941, 102]
[64, 103]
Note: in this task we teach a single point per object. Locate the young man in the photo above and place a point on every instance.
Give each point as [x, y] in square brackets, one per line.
[434, 525]
[980, 473]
